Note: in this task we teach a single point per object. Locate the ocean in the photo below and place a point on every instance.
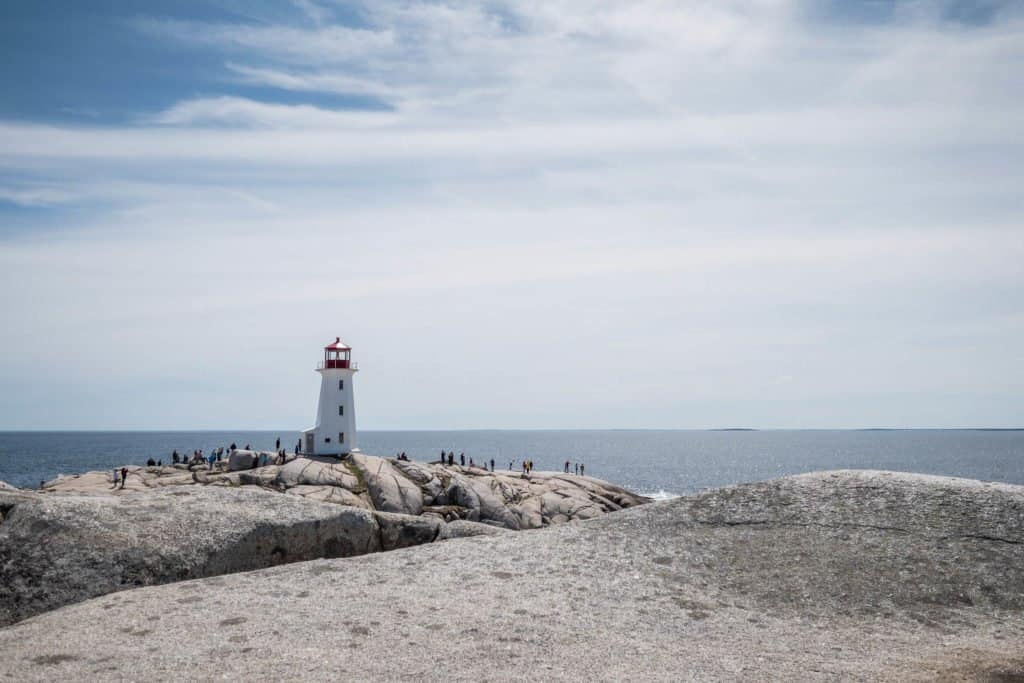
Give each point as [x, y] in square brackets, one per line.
[655, 462]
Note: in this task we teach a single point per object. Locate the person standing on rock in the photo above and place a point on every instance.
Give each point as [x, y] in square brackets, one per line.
[451, 459]
[567, 467]
[115, 478]
[492, 464]
[462, 458]
[124, 476]
[581, 469]
[277, 444]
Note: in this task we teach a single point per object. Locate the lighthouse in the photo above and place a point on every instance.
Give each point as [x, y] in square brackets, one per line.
[335, 430]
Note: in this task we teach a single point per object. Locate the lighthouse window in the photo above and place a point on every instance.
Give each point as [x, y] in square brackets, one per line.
[341, 410]
[341, 437]
[341, 385]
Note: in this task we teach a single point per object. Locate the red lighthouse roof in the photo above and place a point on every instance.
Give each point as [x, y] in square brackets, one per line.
[337, 345]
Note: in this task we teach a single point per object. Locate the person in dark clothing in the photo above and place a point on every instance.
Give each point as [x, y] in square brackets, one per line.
[462, 459]
[581, 469]
[277, 444]
[492, 464]
[233, 446]
[298, 446]
[451, 458]
[151, 463]
[124, 476]
[567, 467]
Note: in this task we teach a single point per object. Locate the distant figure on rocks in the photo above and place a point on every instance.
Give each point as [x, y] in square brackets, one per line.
[151, 463]
[510, 463]
[298, 446]
[211, 458]
[115, 478]
[492, 464]
[462, 459]
[277, 444]
[471, 463]
[443, 456]
[175, 458]
[581, 469]
[159, 463]
[567, 467]
[233, 446]
[576, 468]
[248, 447]
[451, 458]
[124, 476]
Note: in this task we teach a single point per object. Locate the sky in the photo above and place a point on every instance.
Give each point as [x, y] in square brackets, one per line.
[524, 214]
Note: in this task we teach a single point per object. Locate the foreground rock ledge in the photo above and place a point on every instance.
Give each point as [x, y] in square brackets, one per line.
[79, 538]
[828, 576]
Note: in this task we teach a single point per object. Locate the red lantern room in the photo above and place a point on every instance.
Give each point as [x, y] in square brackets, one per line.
[337, 355]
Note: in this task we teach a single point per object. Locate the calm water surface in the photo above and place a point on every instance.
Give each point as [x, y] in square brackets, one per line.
[673, 462]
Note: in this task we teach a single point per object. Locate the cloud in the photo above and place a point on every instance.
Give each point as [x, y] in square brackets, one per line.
[328, 44]
[239, 111]
[716, 195]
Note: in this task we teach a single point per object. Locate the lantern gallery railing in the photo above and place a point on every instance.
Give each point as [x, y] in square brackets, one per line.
[337, 363]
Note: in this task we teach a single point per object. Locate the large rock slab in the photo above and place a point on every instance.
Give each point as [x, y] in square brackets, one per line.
[835, 576]
[55, 550]
[389, 488]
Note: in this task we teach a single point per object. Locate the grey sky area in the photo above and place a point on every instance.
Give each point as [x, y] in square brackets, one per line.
[524, 214]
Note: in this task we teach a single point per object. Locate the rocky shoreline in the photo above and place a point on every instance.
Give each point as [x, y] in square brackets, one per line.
[848, 575]
[80, 537]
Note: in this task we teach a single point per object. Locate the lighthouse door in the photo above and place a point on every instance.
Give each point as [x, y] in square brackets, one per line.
[310, 444]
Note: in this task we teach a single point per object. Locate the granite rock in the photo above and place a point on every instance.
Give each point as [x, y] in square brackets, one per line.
[58, 549]
[867, 576]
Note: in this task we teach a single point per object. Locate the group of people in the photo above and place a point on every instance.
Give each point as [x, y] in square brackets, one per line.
[448, 458]
[578, 467]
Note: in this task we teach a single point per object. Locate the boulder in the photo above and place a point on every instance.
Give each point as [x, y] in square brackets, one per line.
[389, 489]
[60, 549]
[240, 460]
[307, 472]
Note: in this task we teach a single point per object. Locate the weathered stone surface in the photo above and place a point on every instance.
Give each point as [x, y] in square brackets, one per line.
[241, 460]
[501, 498]
[144, 548]
[401, 531]
[834, 576]
[306, 472]
[461, 528]
[60, 549]
[332, 494]
[389, 489]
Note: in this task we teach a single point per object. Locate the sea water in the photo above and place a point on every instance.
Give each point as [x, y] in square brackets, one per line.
[654, 462]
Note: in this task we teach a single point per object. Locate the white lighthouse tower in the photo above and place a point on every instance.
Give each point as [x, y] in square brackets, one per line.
[335, 430]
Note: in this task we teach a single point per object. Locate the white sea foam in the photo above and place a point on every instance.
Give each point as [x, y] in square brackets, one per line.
[660, 495]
